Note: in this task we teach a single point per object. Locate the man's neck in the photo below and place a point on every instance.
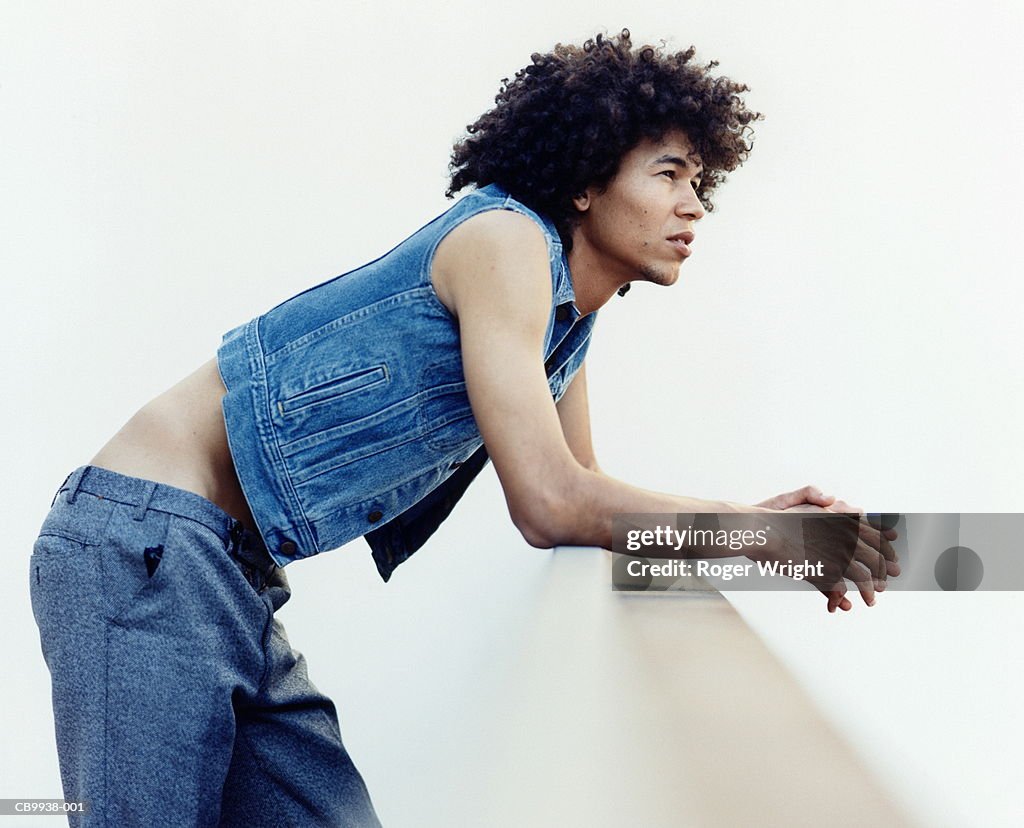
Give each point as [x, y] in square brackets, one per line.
[592, 281]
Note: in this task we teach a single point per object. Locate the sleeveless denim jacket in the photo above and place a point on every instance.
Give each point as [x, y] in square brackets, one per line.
[346, 406]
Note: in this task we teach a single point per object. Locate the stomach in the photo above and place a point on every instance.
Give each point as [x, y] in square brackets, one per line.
[179, 439]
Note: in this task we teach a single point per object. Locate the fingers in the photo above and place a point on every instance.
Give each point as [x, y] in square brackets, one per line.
[874, 559]
[877, 539]
[864, 581]
[837, 599]
[869, 581]
[846, 508]
[808, 494]
[875, 549]
[873, 562]
[883, 560]
[812, 494]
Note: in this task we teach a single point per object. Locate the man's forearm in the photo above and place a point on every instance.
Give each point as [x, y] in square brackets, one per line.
[581, 513]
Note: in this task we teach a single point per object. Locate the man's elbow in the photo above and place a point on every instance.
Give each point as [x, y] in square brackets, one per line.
[536, 537]
[548, 519]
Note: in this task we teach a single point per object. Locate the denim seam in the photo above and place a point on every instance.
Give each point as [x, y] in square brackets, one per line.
[328, 328]
[441, 445]
[290, 448]
[320, 397]
[270, 438]
[347, 461]
[360, 507]
[377, 497]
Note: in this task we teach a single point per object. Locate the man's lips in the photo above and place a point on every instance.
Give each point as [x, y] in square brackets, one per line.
[681, 242]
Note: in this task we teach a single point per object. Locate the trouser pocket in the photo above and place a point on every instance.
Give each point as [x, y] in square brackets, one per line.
[134, 559]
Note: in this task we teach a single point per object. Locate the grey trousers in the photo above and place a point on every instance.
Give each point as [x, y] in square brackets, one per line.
[177, 697]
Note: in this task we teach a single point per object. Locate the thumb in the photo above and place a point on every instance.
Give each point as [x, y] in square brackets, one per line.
[808, 494]
[813, 494]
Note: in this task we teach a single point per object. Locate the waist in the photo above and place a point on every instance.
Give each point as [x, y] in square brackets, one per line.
[245, 547]
[179, 439]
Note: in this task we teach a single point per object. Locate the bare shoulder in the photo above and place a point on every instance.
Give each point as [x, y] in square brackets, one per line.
[494, 251]
[492, 231]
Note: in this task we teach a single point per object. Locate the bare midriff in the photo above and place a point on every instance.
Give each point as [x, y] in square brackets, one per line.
[179, 439]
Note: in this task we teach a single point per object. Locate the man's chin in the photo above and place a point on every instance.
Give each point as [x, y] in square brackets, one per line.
[660, 276]
[666, 278]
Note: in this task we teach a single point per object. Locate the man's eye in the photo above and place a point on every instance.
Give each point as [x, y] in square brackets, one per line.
[670, 173]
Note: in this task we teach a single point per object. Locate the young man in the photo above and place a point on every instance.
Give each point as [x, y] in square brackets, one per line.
[365, 406]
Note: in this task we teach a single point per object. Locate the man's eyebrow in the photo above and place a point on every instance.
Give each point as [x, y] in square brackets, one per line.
[681, 162]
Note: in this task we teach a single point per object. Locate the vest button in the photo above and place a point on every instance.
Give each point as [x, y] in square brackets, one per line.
[374, 516]
[561, 313]
[288, 548]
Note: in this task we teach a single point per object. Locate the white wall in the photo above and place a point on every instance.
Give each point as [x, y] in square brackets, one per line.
[168, 170]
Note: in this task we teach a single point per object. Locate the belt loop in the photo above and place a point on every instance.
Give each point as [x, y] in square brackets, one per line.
[60, 488]
[74, 481]
[147, 495]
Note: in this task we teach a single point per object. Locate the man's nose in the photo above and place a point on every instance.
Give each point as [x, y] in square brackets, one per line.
[690, 207]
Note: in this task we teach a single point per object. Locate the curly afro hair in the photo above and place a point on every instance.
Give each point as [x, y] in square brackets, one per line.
[565, 121]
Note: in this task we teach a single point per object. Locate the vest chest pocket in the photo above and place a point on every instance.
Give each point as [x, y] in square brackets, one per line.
[331, 388]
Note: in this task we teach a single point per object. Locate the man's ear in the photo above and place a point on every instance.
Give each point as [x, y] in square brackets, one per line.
[582, 201]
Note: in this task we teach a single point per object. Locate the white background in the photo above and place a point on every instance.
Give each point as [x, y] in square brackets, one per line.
[849, 318]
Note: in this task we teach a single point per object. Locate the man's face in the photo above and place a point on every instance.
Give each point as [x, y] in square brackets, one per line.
[641, 225]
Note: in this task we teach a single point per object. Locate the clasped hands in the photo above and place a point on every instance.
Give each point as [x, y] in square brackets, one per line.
[859, 553]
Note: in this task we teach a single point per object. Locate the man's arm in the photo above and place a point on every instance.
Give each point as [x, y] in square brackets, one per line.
[574, 414]
[492, 273]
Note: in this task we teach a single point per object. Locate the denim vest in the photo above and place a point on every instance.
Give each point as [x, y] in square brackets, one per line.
[346, 406]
